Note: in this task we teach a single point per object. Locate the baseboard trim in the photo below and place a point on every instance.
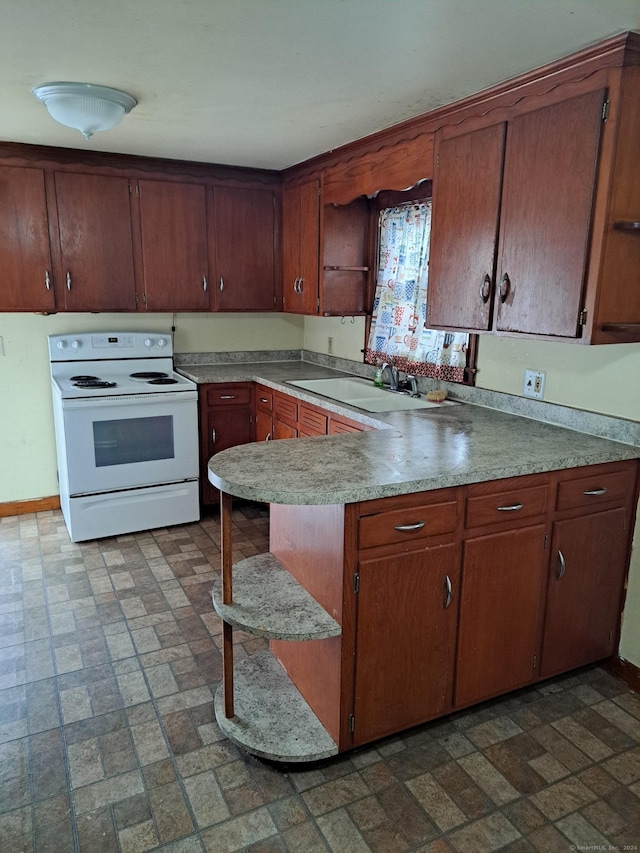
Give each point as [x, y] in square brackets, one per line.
[25, 507]
[625, 671]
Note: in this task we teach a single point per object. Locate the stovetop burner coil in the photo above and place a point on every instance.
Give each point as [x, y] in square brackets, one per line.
[85, 378]
[163, 380]
[149, 374]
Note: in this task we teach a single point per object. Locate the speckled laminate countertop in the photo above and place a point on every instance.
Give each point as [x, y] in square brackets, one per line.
[409, 452]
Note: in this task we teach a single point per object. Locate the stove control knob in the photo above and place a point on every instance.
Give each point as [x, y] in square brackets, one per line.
[61, 344]
[76, 344]
[148, 343]
[162, 342]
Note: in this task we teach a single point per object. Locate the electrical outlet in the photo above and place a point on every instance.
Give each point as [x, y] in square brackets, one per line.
[534, 384]
[330, 346]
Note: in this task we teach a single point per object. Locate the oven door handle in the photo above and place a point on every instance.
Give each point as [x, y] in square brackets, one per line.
[104, 404]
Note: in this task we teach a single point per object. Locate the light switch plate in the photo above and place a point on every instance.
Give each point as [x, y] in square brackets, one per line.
[534, 384]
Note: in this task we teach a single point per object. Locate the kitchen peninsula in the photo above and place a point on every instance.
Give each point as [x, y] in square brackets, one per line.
[452, 555]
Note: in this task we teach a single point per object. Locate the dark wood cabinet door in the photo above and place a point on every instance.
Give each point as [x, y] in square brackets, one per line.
[225, 427]
[301, 248]
[464, 229]
[25, 254]
[586, 578]
[405, 640]
[173, 224]
[549, 178]
[309, 246]
[502, 580]
[242, 244]
[96, 242]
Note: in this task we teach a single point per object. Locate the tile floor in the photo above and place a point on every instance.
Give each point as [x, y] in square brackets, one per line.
[109, 656]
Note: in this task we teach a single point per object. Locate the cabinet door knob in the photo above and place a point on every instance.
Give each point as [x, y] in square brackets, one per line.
[213, 437]
[68, 280]
[221, 284]
[505, 287]
[47, 280]
[205, 284]
[300, 284]
[485, 289]
[510, 508]
[448, 592]
[561, 565]
[595, 492]
[408, 528]
[295, 285]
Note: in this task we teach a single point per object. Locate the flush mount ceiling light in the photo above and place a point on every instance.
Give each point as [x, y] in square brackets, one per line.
[85, 107]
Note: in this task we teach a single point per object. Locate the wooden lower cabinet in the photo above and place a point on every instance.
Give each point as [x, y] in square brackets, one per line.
[586, 578]
[500, 604]
[450, 597]
[225, 421]
[405, 640]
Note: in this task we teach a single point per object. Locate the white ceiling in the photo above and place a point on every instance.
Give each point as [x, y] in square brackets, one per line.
[269, 83]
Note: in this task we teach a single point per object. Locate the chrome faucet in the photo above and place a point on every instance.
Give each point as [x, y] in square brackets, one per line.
[393, 375]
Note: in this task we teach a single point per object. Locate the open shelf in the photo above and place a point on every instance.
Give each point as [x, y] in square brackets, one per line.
[269, 602]
[272, 720]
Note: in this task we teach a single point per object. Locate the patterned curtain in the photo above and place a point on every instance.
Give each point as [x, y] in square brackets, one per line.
[397, 334]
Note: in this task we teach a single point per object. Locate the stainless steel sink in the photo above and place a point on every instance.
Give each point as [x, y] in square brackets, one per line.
[362, 394]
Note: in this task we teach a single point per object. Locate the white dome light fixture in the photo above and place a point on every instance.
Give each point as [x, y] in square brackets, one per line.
[83, 106]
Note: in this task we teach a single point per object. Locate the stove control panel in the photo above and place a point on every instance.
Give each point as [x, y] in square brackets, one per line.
[109, 345]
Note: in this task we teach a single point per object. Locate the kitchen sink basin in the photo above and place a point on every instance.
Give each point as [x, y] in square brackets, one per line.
[362, 394]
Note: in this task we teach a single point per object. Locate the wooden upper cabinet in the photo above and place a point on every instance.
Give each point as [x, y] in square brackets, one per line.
[25, 254]
[96, 243]
[301, 247]
[345, 251]
[241, 248]
[547, 202]
[512, 213]
[173, 225]
[464, 228]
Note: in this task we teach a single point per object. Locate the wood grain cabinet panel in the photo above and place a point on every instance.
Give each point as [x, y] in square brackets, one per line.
[173, 225]
[96, 242]
[301, 247]
[512, 215]
[502, 585]
[405, 645]
[241, 248]
[586, 579]
[225, 421]
[25, 253]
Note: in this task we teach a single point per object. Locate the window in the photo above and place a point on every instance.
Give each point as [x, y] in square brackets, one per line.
[397, 333]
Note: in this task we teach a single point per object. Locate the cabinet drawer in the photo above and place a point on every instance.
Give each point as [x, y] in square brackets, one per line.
[596, 488]
[311, 422]
[286, 409]
[264, 398]
[405, 525]
[338, 426]
[506, 506]
[228, 395]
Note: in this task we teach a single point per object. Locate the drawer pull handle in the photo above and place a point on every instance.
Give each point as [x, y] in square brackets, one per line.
[595, 492]
[409, 528]
[213, 438]
[511, 508]
[227, 396]
[561, 565]
[47, 280]
[205, 283]
[268, 437]
[68, 280]
[448, 592]
[485, 289]
[263, 400]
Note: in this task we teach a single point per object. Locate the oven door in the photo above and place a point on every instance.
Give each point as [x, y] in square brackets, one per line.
[122, 442]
